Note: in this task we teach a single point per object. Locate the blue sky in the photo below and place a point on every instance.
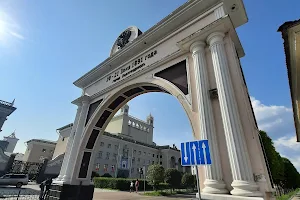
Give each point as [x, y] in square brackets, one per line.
[46, 45]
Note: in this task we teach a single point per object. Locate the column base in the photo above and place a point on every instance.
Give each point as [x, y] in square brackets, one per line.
[66, 192]
[245, 188]
[214, 187]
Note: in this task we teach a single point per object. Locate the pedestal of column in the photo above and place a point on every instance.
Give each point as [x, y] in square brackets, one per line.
[243, 182]
[213, 173]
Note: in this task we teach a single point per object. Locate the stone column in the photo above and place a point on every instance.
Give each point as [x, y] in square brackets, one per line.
[76, 142]
[243, 182]
[213, 173]
[69, 145]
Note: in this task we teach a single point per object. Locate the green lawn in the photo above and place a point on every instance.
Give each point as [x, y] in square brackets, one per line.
[288, 195]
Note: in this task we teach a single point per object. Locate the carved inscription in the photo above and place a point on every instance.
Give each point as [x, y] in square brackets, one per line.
[130, 69]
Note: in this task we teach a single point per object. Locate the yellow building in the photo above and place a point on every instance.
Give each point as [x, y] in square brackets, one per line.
[291, 36]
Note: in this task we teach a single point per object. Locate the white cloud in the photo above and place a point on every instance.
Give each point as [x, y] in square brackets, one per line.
[278, 122]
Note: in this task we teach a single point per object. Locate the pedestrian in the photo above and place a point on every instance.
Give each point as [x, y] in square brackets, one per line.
[131, 186]
[48, 186]
[137, 185]
[42, 186]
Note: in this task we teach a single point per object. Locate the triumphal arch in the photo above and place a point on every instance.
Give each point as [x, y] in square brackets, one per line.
[192, 54]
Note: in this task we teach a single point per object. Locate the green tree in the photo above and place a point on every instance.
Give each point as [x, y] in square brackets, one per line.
[173, 178]
[274, 159]
[291, 175]
[188, 180]
[155, 175]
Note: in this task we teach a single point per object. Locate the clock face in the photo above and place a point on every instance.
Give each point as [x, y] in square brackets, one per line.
[123, 39]
[127, 36]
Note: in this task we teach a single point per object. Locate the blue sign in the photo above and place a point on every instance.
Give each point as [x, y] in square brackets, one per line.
[195, 153]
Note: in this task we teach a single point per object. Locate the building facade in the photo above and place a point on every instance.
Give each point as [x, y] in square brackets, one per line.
[127, 145]
[6, 109]
[9, 143]
[38, 150]
[291, 36]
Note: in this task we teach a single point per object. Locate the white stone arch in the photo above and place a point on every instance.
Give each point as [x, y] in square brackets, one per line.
[164, 84]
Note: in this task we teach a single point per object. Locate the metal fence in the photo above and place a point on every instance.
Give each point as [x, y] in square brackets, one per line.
[19, 194]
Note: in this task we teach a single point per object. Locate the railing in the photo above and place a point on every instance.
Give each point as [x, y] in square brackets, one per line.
[6, 103]
[19, 194]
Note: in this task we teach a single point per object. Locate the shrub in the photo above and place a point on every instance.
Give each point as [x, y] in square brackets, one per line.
[173, 178]
[117, 183]
[188, 180]
[95, 174]
[155, 175]
[107, 175]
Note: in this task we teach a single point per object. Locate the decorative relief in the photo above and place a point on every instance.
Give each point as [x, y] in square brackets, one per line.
[213, 93]
[259, 177]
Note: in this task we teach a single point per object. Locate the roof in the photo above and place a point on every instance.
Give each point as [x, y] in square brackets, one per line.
[42, 141]
[64, 127]
[140, 143]
[284, 31]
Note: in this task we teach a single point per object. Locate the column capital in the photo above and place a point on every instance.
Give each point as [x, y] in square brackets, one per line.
[83, 100]
[197, 46]
[215, 38]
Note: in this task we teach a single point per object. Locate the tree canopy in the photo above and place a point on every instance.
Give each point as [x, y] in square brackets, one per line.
[283, 172]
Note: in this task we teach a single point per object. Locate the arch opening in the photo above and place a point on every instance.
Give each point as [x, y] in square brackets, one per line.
[97, 123]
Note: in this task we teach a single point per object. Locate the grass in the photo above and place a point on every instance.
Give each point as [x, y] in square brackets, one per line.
[167, 192]
[288, 195]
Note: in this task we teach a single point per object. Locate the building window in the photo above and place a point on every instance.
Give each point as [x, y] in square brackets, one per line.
[133, 160]
[152, 162]
[153, 155]
[149, 154]
[109, 146]
[139, 159]
[157, 156]
[107, 156]
[140, 152]
[63, 139]
[134, 151]
[100, 154]
[102, 144]
[149, 162]
[160, 156]
[97, 166]
[51, 151]
[144, 153]
[44, 150]
[114, 156]
[160, 163]
[116, 147]
[132, 170]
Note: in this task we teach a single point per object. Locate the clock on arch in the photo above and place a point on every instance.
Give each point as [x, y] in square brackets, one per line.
[124, 38]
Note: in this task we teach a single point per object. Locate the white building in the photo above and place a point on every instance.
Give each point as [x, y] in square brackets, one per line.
[9, 143]
[38, 150]
[126, 144]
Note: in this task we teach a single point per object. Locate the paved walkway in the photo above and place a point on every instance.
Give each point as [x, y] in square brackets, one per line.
[101, 194]
[297, 196]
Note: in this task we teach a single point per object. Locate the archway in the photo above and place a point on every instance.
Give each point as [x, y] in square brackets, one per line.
[193, 54]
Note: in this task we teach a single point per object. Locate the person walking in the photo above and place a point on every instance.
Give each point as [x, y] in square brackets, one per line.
[48, 185]
[131, 186]
[137, 184]
[42, 186]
